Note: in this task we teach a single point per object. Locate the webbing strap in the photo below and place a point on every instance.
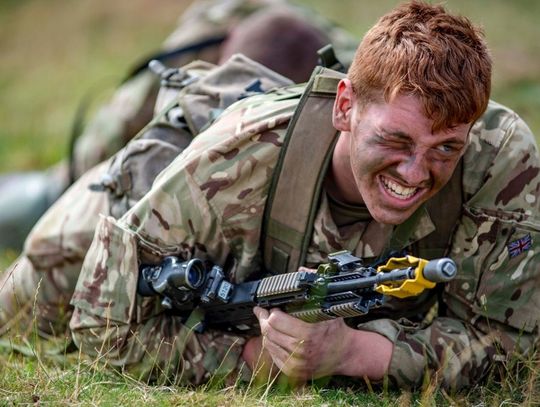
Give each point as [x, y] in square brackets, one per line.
[300, 170]
[166, 55]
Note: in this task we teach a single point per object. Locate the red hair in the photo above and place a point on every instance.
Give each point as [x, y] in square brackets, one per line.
[421, 50]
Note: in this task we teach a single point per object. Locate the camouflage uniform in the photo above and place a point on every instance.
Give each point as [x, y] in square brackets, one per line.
[52, 257]
[209, 203]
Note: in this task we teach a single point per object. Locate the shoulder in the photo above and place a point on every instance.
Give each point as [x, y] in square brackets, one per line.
[502, 155]
[496, 127]
[246, 129]
[233, 159]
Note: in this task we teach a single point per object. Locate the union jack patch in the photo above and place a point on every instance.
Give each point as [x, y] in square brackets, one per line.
[519, 246]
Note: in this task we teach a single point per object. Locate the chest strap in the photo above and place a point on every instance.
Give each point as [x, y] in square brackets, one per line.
[300, 170]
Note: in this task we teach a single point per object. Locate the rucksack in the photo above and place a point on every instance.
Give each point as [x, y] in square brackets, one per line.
[190, 98]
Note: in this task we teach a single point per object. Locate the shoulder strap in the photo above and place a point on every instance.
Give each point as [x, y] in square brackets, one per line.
[300, 170]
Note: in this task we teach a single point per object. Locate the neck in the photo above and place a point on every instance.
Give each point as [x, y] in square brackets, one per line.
[339, 181]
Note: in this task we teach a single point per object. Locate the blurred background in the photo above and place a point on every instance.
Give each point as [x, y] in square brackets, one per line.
[54, 52]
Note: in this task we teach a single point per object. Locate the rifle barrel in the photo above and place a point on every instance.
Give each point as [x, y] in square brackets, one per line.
[371, 281]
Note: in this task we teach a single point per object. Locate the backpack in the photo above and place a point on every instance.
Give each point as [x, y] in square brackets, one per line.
[190, 98]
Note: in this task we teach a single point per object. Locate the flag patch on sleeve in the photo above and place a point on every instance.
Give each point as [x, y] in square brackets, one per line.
[519, 246]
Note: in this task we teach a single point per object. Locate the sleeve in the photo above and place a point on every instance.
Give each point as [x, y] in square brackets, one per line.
[492, 308]
[112, 322]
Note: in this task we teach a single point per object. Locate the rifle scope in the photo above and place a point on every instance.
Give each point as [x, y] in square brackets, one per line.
[189, 274]
[171, 274]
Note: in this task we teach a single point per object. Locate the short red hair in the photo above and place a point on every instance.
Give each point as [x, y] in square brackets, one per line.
[421, 50]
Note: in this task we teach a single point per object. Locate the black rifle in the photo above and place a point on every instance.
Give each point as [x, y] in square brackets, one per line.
[342, 288]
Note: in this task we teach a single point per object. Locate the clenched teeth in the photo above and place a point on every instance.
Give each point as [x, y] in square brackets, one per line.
[397, 190]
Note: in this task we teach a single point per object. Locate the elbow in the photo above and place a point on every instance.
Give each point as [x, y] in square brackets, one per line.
[97, 337]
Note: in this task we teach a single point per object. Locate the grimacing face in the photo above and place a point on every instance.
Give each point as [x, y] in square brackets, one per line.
[387, 156]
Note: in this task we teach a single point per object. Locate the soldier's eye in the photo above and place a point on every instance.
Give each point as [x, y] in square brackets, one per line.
[447, 148]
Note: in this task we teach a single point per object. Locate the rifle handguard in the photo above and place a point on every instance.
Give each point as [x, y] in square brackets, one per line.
[423, 275]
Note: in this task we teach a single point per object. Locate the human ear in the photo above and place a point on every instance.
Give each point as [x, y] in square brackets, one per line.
[341, 115]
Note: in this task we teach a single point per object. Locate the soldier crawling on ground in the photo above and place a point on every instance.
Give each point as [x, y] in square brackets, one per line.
[423, 162]
[56, 247]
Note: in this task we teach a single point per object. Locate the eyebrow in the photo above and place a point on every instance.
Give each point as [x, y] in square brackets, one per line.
[397, 133]
[405, 136]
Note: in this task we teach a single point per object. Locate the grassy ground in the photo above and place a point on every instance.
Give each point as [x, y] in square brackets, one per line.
[41, 379]
[54, 52]
[43, 375]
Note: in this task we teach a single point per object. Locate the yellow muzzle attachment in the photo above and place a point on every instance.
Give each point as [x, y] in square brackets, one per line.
[406, 288]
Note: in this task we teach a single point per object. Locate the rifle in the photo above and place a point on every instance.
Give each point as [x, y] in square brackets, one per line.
[343, 287]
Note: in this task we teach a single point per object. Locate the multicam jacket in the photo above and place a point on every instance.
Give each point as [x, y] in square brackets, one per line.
[209, 203]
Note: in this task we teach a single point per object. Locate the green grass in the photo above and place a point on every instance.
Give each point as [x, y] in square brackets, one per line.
[72, 380]
[56, 51]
